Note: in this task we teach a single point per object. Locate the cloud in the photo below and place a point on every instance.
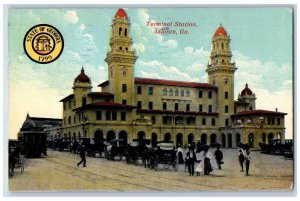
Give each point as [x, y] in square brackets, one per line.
[139, 47]
[71, 16]
[82, 27]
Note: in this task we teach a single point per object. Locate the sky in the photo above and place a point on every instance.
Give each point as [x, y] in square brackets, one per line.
[261, 44]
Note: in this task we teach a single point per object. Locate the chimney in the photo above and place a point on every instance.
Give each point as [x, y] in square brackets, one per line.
[276, 109]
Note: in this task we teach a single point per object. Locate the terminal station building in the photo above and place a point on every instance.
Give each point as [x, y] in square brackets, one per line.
[129, 107]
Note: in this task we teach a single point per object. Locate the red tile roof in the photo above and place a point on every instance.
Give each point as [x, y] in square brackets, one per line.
[110, 105]
[67, 98]
[173, 83]
[258, 112]
[82, 77]
[172, 112]
[121, 14]
[220, 32]
[246, 91]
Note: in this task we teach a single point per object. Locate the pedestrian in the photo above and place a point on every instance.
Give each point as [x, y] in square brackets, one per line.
[82, 156]
[199, 163]
[219, 157]
[241, 159]
[207, 164]
[180, 155]
[190, 160]
[247, 162]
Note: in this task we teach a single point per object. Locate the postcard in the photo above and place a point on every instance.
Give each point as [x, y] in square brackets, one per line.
[150, 99]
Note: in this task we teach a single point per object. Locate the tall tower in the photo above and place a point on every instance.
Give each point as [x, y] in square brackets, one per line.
[81, 87]
[120, 59]
[221, 74]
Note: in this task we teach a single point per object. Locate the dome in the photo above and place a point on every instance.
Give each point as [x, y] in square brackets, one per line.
[121, 14]
[82, 77]
[220, 32]
[246, 91]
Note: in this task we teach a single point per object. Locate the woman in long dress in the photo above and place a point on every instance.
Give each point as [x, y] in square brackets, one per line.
[207, 164]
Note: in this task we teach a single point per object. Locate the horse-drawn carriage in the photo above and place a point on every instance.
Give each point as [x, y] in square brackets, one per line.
[135, 150]
[274, 147]
[164, 154]
[115, 148]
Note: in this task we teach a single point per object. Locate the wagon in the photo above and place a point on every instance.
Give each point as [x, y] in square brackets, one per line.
[135, 150]
[115, 148]
[166, 156]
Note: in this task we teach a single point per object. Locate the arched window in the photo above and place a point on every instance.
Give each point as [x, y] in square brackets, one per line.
[120, 31]
[182, 92]
[170, 92]
[187, 93]
[164, 92]
[176, 92]
[222, 45]
[125, 32]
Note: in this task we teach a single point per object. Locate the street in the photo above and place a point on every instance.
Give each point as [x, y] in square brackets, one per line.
[58, 172]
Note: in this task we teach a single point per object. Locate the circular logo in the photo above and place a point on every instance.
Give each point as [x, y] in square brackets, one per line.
[43, 43]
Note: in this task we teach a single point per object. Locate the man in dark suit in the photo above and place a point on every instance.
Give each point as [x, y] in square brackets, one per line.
[82, 156]
[190, 160]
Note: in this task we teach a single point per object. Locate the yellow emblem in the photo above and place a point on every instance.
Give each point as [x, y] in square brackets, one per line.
[43, 43]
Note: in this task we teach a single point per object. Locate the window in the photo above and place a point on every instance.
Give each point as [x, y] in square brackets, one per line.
[120, 31]
[226, 122]
[124, 101]
[64, 105]
[200, 108]
[164, 92]
[98, 115]
[200, 94]
[226, 95]
[170, 92]
[150, 105]
[108, 116]
[273, 120]
[125, 32]
[203, 121]
[70, 103]
[139, 105]
[167, 120]
[164, 106]
[153, 120]
[139, 90]
[213, 121]
[269, 121]
[187, 93]
[83, 101]
[69, 120]
[74, 119]
[114, 115]
[176, 106]
[124, 88]
[210, 108]
[79, 117]
[209, 94]
[176, 92]
[187, 107]
[278, 121]
[190, 120]
[182, 92]
[123, 116]
[226, 109]
[150, 90]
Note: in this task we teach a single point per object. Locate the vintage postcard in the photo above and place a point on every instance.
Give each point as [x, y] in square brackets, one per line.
[149, 99]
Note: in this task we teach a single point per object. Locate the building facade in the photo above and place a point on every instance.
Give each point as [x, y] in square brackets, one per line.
[128, 107]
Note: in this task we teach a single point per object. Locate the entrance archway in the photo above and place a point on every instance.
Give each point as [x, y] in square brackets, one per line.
[270, 137]
[123, 135]
[238, 139]
[203, 138]
[179, 140]
[191, 138]
[229, 139]
[223, 140]
[110, 136]
[213, 139]
[141, 135]
[98, 137]
[154, 139]
[251, 140]
[167, 137]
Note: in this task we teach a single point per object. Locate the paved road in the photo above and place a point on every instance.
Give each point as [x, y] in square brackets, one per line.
[58, 171]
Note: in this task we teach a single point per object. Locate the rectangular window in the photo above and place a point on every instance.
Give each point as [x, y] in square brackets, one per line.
[213, 121]
[226, 122]
[139, 105]
[153, 120]
[164, 106]
[139, 90]
[226, 95]
[200, 108]
[200, 94]
[123, 116]
[269, 121]
[124, 101]
[187, 107]
[226, 109]
[209, 94]
[124, 88]
[176, 107]
[114, 115]
[190, 120]
[70, 103]
[203, 121]
[278, 121]
[108, 116]
[210, 108]
[150, 90]
[273, 120]
[150, 105]
[167, 120]
[98, 115]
